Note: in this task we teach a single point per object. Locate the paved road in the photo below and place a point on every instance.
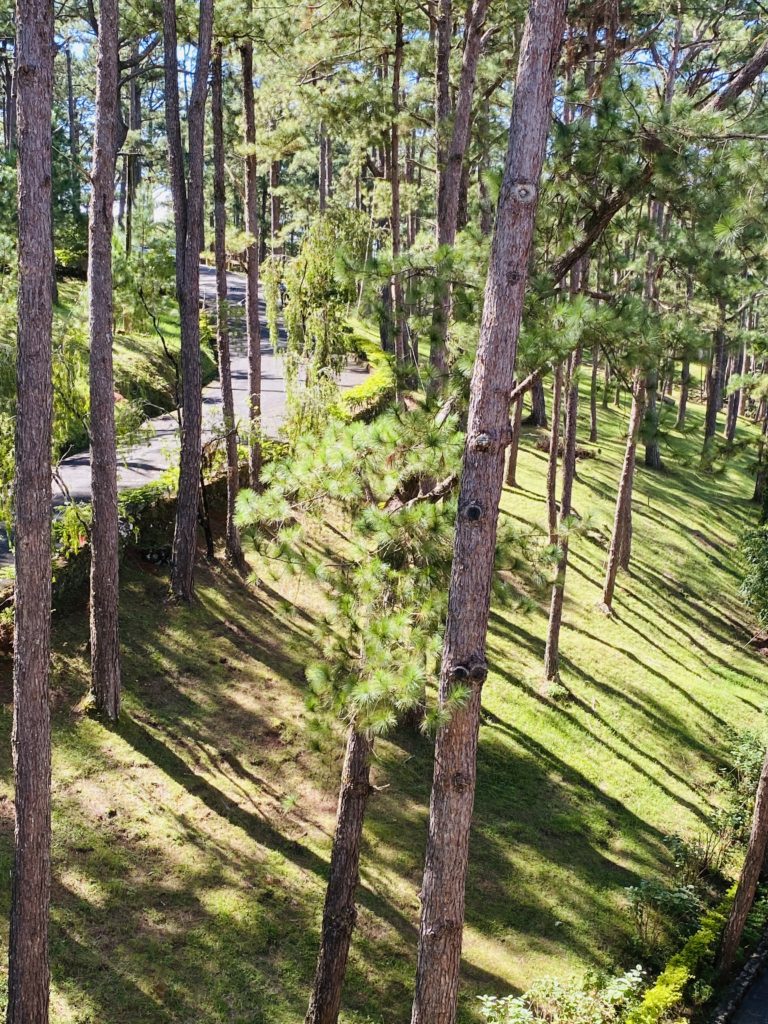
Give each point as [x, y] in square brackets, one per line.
[754, 1007]
[146, 462]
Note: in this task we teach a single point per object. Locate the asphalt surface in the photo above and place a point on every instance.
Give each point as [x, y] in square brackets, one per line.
[754, 1007]
[146, 462]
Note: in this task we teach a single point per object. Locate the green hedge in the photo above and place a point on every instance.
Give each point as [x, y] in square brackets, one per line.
[669, 989]
[378, 388]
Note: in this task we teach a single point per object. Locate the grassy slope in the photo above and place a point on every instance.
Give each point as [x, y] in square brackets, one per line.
[190, 845]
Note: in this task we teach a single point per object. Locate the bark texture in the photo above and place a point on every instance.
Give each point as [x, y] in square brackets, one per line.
[252, 324]
[28, 970]
[554, 445]
[685, 383]
[715, 375]
[623, 515]
[398, 319]
[552, 649]
[463, 662]
[234, 547]
[188, 209]
[514, 444]
[750, 874]
[339, 912]
[105, 537]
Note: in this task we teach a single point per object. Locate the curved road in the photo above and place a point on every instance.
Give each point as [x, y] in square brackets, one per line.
[145, 462]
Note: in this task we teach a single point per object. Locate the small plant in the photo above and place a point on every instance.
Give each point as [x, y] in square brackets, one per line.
[661, 912]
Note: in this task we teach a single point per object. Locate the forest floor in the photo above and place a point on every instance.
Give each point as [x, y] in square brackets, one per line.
[191, 843]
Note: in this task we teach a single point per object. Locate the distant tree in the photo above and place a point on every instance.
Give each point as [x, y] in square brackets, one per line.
[188, 197]
[105, 597]
[28, 970]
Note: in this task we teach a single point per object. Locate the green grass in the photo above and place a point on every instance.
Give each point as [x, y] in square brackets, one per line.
[191, 844]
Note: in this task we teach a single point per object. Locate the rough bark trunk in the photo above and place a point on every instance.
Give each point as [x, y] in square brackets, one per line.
[74, 139]
[463, 661]
[623, 516]
[234, 547]
[685, 383]
[188, 208]
[28, 970]
[714, 384]
[593, 396]
[734, 400]
[394, 170]
[750, 874]
[105, 537]
[652, 453]
[133, 159]
[554, 446]
[552, 650]
[538, 416]
[252, 324]
[514, 444]
[274, 208]
[452, 132]
[339, 912]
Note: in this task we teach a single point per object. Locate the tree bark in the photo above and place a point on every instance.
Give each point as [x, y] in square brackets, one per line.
[593, 396]
[623, 516]
[685, 383]
[514, 444]
[538, 416]
[652, 453]
[28, 970]
[734, 400]
[552, 650]
[252, 324]
[234, 547]
[74, 139]
[339, 913]
[274, 208]
[394, 170]
[188, 208]
[714, 384]
[463, 661]
[750, 874]
[554, 447]
[452, 132]
[105, 536]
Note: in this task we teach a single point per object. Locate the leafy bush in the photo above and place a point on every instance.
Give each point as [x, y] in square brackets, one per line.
[660, 912]
[684, 968]
[596, 1000]
[754, 587]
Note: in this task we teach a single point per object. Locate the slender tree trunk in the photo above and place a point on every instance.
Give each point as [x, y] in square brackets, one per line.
[105, 537]
[734, 399]
[339, 913]
[74, 140]
[714, 384]
[685, 383]
[554, 448]
[750, 874]
[593, 396]
[234, 548]
[394, 170]
[322, 170]
[28, 971]
[514, 444]
[133, 159]
[652, 454]
[606, 384]
[463, 661]
[188, 208]
[253, 327]
[623, 517]
[452, 131]
[274, 208]
[552, 650]
[538, 405]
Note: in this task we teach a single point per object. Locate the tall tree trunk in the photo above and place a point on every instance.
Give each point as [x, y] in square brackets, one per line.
[714, 384]
[234, 547]
[28, 971]
[105, 536]
[339, 913]
[750, 874]
[463, 661]
[734, 399]
[252, 325]
[452, 132]
[514, 444]
[274, 208]
[685, 383]
[394, 171]
[554, 447]
[133, 159]
[538, 416]
[652, 453]
[622, 522]
[74, 139]
[593, 396]
[552, 651]
[188, 210]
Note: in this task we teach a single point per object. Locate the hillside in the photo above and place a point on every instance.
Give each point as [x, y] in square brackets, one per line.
[191, 843]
